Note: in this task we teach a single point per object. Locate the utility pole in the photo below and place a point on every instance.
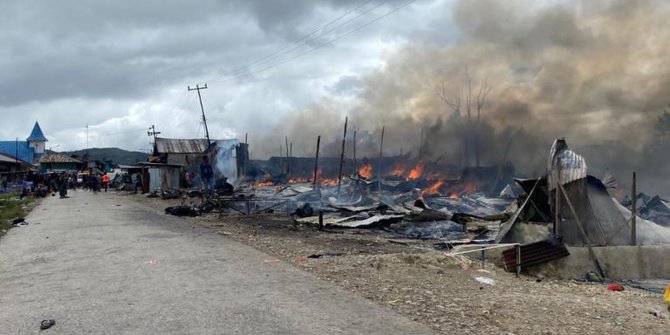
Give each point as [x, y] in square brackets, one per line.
[152, 132]
[204, 119]
[87, 136]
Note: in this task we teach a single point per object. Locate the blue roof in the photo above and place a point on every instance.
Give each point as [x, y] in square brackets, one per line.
[36, 134]
[25, 152]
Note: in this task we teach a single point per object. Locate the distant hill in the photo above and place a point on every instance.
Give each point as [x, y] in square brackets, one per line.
[116, 155]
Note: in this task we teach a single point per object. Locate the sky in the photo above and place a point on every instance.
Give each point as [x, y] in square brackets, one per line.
[596, 72]
[100, 74]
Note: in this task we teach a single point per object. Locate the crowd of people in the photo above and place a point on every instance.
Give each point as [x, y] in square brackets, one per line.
[41, 185]
[52, 183]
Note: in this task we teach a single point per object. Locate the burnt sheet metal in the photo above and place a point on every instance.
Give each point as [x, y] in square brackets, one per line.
[564, 164]
[180, 146]
[656, 210]
[539, 202]
[534, 254]
[597, 212]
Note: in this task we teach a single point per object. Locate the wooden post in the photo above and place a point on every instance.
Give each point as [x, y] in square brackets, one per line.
[379, 169]
[320, 220]
[557, 209]
[316, 160]
[355, 163]
[290, 161]
[344, 139]
[287, 161]
[633, 213]
[482, 257]
[518, 260]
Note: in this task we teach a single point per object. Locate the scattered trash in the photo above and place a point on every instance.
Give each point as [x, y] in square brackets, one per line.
[272, 261]
[656, 314]
[301, 259]
[221, 232]
[153, 261]
[593, 277]
[46, 324]
[325, 254]
[485, 280]
[18, 220]
[182, 211]
[540, 277]
[616, 287]
[304, 211]
[666, 296]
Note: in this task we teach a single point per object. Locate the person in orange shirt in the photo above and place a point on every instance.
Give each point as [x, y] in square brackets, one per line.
[105, 181]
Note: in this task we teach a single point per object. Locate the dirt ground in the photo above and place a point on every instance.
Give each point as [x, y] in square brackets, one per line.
[441, 291]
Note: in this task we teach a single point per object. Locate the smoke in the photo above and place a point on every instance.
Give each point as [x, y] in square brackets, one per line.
[595, 72]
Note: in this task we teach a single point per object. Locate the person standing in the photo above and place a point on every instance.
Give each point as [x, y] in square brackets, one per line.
[137, 180]
[62, 185]
[206, 174]
[105, 181]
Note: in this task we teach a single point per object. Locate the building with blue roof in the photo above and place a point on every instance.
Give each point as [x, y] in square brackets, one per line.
[30, 150]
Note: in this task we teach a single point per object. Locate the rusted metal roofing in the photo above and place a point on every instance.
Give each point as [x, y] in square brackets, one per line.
[59, 158]
[180, 146]
[534, 253]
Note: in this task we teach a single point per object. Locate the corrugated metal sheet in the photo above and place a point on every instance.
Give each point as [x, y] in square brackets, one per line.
[180, 146]
[8, 159]
[534, 253]
[59, 158]
[163, 178]
[565, 164]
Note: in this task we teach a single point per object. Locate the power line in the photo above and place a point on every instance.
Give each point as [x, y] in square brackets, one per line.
[317, 30]
[242, 69]
[347, 33]
[307, 42]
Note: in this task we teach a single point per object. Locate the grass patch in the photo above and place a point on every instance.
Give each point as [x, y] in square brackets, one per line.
[11, 207]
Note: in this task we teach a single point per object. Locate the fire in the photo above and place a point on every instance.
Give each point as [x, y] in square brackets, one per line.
[398, 170]
[263, 184]
[365, 171]
[453, 196]
[416, 172]
[433, 189]
[298, 180]
[324, 181]
[329, 182]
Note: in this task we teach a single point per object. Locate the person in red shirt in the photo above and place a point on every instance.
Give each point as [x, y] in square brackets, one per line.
[105, 181]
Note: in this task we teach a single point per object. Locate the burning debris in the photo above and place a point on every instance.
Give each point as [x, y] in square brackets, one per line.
[418, 199]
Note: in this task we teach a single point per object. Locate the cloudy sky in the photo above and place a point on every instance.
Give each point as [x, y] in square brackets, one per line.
[122, 66]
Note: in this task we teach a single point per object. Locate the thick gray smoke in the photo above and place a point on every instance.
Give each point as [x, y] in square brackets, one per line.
[595, 72]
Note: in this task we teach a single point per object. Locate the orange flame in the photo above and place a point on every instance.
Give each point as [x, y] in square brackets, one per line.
[433, 189]
[263, 184]
[416, 172]
[398, 170]
[453, 196]
[298, 180]
[365, 171]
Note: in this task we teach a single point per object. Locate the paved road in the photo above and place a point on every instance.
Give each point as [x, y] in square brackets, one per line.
[103, 264]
